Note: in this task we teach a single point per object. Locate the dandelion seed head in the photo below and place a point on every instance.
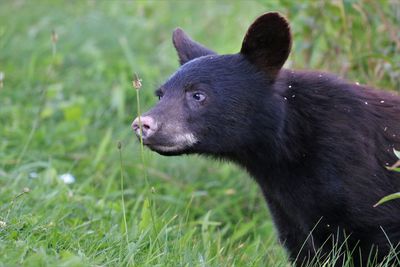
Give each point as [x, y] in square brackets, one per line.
[137, 82]
[54, 37]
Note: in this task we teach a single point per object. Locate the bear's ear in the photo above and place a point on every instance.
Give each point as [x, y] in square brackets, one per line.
[267, 43]
[187, 48]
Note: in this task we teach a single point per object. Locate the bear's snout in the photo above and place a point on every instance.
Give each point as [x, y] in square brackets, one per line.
[149, 126]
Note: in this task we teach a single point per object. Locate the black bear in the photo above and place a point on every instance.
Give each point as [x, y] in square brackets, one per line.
[317, 145]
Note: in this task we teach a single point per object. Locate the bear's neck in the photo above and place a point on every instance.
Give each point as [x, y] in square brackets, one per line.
[293, 146]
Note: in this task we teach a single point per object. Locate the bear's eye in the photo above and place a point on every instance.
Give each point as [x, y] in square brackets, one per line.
[199, 96]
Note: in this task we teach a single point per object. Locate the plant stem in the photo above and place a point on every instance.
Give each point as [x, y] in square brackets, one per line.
[122, 193]
[141, 138]
[144, 162]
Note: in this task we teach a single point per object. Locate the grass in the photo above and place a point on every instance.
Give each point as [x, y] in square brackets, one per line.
[66, 107]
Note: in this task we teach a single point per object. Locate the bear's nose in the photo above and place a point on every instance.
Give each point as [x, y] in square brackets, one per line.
[149, 126]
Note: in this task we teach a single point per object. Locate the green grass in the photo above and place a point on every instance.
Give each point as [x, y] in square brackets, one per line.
[65, 109]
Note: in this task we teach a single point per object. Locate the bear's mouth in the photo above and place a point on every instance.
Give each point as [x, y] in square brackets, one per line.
[166, 150]
[175, 145]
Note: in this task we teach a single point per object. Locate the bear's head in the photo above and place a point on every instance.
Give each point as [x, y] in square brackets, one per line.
[217, 104]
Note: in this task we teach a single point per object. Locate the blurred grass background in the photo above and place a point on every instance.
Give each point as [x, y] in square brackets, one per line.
[65, 112]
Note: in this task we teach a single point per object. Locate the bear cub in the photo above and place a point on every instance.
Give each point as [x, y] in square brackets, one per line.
[317, 145]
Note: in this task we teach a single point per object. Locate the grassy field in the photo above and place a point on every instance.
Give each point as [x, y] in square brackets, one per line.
[66, 105]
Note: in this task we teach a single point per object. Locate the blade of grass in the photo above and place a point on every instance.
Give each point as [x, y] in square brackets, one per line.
[387, 198]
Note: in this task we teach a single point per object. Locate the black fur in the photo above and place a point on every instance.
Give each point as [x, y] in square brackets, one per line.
[317, 145]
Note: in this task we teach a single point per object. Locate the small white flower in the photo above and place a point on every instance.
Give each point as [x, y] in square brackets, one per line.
[3, 224]
[67, 178]
[33, 175]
